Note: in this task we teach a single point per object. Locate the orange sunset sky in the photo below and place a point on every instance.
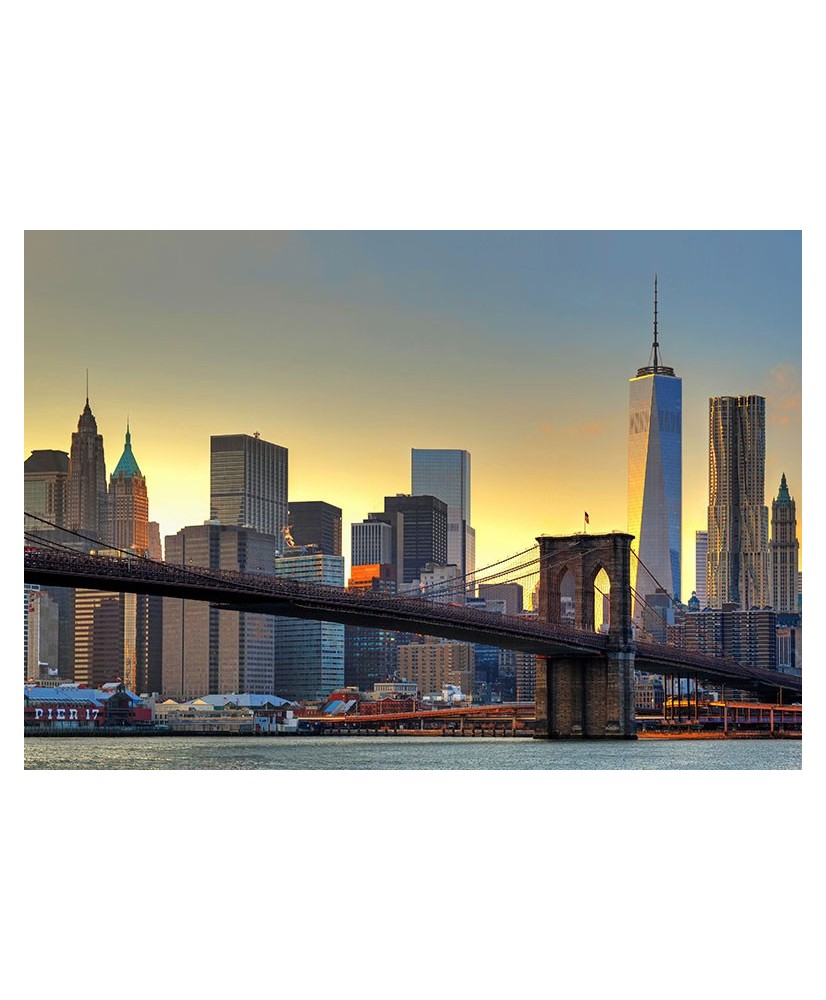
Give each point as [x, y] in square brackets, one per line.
[351, 348]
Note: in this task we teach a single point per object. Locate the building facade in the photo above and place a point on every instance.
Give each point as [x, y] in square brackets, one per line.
[701, 566]
[435, 663]
[248, 483]
[207, 650]
[445, 473]
[316, 522]
[369, 653]
[309, 655]
[655, 467]
[371, 543]
[87, 506]
[738, 519]
[747, 636]
[784, 551]
[129, 503]
[45, 476]
[425, 532]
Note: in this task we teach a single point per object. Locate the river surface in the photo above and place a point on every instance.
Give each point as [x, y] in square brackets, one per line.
[393, 753]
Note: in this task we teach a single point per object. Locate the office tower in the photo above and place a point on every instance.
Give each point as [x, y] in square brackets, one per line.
[701, 566]
[45, 474]
[129, 503]
[784, 551]
[309, 655]
[369, 653]
[425, 532]
[130, 530]
[655, 473]
[445, 473]
[105, 638]
[207, 650]
[738, 520]
[371, 543]
[248, 483]
[314, 522]
[86, 497]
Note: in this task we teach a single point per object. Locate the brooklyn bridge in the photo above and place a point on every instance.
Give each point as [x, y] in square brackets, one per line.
[585, 678]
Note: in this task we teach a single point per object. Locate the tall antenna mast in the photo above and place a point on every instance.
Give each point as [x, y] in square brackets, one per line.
[656, 344]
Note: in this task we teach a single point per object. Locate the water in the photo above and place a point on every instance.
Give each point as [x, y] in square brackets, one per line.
[400, 753]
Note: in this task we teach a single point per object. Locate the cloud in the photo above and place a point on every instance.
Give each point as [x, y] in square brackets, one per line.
[784, 396]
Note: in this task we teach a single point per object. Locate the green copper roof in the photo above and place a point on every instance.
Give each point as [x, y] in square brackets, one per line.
[127, 464]
[783, 495]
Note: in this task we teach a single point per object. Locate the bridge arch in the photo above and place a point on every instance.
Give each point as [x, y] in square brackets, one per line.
[589, 696]
[583, 556]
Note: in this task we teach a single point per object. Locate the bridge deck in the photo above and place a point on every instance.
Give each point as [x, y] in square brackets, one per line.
[284, 597]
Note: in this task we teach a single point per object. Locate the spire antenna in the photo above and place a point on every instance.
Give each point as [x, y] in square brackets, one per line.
[656, 343]
[87, 386]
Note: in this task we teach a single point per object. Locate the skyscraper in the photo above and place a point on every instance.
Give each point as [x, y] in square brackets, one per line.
[129, 529]
[371, 543]
[207, 650]
[445, 473]
[784, 551]
[248, 483]
[738, 520]
[309, 655]
[701, 566]
[129, 503]
[86, 497]
[425, 532]
[655, 474]
[45, 474]
[316, 522]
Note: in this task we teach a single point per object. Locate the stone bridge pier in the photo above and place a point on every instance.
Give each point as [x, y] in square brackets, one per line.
[587, 695]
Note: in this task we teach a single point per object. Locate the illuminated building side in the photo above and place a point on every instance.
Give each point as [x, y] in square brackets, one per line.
[784, 550]
[86, 497]
[129, 503]
[248, 483]
[738, 520]
[655, 476]
[445, 473]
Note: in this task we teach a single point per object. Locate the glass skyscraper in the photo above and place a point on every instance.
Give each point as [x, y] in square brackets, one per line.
[655, 476]
[309, 655]
[248, 483]
[445, 473]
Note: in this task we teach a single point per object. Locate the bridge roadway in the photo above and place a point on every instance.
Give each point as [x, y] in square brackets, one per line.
[280, 596]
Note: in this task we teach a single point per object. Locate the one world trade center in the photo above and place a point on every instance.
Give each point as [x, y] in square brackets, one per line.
[655, 476]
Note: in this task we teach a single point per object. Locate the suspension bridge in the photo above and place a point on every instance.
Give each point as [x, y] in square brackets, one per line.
[585, 678]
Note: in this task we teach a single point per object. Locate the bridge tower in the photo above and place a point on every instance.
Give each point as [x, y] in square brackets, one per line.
[587, 695]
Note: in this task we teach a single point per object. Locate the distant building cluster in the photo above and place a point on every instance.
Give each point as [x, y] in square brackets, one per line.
[747, 600]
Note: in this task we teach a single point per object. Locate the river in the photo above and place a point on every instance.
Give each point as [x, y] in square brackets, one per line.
[404, 753]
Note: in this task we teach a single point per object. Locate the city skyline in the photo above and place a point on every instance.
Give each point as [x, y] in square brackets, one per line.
[516, 347]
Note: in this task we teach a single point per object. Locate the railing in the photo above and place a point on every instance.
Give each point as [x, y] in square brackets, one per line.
[415, 612]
